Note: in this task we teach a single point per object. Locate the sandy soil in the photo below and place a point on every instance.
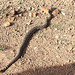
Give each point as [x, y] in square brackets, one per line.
[51, 51]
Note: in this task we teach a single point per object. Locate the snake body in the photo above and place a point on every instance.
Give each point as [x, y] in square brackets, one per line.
[26, 42]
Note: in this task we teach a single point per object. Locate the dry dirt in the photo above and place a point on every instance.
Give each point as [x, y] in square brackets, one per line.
[51, 51]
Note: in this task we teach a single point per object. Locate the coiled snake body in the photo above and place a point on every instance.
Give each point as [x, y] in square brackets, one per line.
[26, 41]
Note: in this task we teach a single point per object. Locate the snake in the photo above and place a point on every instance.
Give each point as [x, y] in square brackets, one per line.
[27, 39]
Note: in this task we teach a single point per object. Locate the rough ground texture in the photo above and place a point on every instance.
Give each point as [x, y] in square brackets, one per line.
[51, 51]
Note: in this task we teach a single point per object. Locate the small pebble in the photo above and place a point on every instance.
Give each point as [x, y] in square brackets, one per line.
[33, 8]
[69, 61]
[35, 48]
[55, 12]
[19, 7]
[34, 14]
[58, 56]
[12, 12]
[44, 9]
[11, 52]
[28, 22]
[20, 15]
[6, 24]
[63, 13]
[10, 19]
[19, 63]
[17, 15]
[30, 14]
[55, 29]
[28, 60]
[57, 47]
[29, 8]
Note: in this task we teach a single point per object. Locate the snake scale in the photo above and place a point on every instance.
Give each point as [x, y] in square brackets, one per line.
[27, 39]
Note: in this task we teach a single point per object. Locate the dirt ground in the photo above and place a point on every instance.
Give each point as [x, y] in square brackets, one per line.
[51, 51]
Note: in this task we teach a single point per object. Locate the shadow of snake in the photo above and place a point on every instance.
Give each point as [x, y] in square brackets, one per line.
[27, 39]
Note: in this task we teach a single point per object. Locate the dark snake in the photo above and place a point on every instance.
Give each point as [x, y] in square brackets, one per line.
[26, 41]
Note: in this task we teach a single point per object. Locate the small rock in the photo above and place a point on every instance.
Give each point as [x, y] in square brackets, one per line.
[20, 15]
[28, 21]
[6, 24]
[57, 56]
[19, 63]
[55, 12]
[11, 52]
[29, 8]
[30, 14]
[28, 60]
[57, 47]
[44, 9]
[17, 15]
[10, 19]
[69, 61]
[35, 48]
[19, 7]
[34, 14]
[33, 8]
[55, 29]
[12, 12]
[63, 13]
